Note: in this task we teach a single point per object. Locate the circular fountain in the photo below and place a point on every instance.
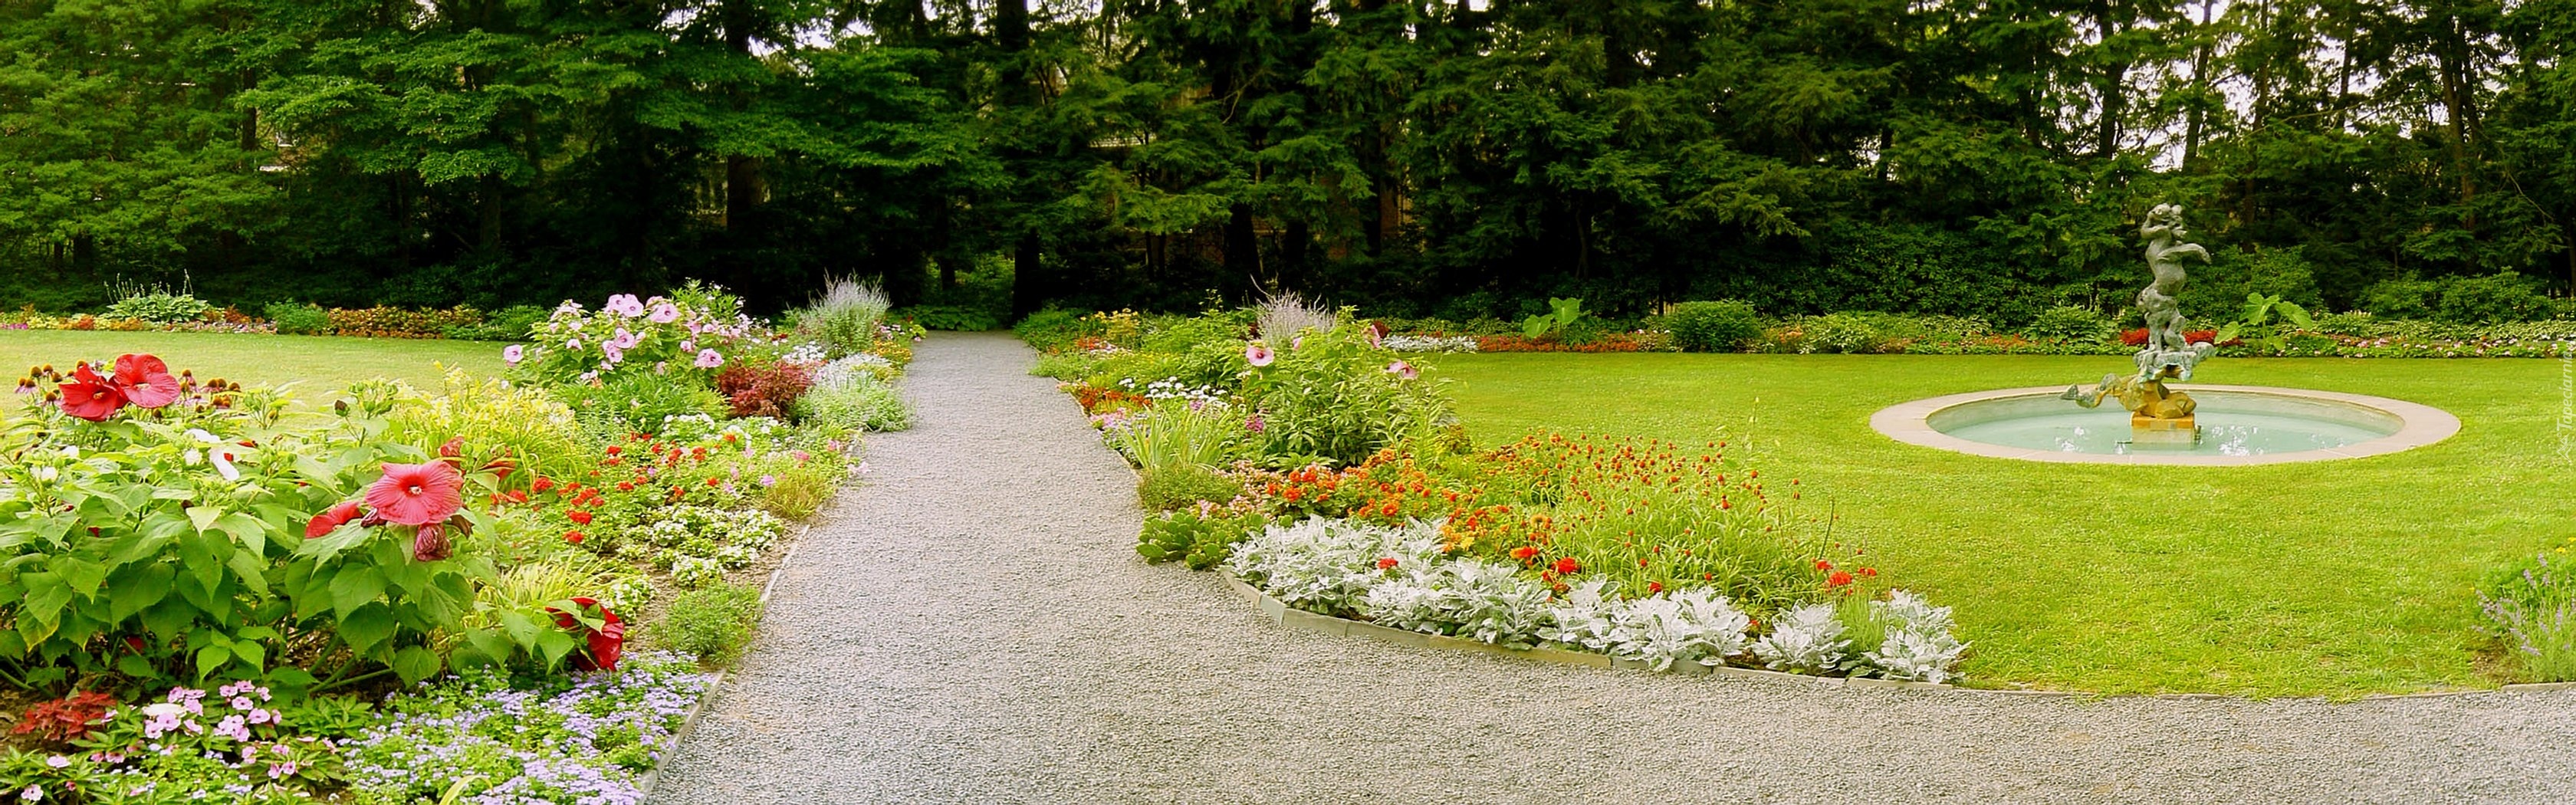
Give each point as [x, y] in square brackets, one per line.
[2236, 425]
[2156, 423]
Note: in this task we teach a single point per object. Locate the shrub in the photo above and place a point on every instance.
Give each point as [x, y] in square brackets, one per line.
[1201, 537]
[1849, 333]
[714, 623]
[764, 389]
[682, 339]
[1338, 399]
[1721, 326]
[2401, 298]
[1281, 316]
[1176, 486]
[2494, 299]
[952, 317]
[2071, 323]
[794, 489]
[638, 403]
[1051, 331]
[294, 318]
[159, 306]
[853, 401]
[394, 322]
[2533, 609]
[511, 323]
[845, 316]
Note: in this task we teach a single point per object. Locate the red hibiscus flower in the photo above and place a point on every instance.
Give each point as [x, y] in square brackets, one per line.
[606, 642]
[330, 519]
[145, 381]
[89, 396]
[417, 494]
[1567, 566]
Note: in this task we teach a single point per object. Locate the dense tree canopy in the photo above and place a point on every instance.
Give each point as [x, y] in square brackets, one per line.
[1459, 158]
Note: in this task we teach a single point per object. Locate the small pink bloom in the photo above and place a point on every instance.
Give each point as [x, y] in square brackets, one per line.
[709, 359]
[1404, 370]
[1258, 353]
[512, 354]
[665, 313]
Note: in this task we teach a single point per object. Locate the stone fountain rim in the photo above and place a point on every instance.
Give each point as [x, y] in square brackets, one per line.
[2420, 425]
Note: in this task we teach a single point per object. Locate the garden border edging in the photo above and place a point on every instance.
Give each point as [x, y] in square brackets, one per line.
[1280, 613]
[652, 778]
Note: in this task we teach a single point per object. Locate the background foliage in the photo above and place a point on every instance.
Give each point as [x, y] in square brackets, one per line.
[1461, 160]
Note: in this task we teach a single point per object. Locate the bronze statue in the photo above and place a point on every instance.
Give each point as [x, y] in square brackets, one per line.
[2158, 414]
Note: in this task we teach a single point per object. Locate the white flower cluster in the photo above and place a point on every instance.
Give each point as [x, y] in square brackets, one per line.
[1171, 388]
[697, 544]
[807, 353]
[1329, 565]
[1919, 645]
[859, 368]
[1398, 577]
[1807, 640]
[1660, 629]
[1430, 343]
[1488, 602]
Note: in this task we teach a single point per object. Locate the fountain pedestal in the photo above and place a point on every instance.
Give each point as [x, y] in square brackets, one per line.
[2147, 431]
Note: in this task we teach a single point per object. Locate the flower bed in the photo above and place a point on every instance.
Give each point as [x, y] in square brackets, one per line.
[393, 595]
[1321, 469]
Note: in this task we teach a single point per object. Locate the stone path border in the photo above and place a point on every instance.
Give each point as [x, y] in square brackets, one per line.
[1909, 422]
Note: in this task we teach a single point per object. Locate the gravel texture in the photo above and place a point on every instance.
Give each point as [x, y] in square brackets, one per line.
[973, 625]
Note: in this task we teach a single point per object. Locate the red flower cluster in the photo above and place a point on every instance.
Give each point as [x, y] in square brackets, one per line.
[430, 497]
[604, 643]
[142, 380]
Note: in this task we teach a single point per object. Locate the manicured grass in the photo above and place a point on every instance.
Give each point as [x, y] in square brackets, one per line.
[318, 365]
[2336, 578]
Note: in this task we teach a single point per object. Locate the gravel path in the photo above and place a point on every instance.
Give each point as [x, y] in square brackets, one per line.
[974, 626]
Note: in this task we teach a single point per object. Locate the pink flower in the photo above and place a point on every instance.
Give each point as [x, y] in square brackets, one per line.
[709, 359]
[417, 494]
[624, 304]
[625, 340]
[512, 354]
[1404, 370]
[145, 381]
[1258, 353]
[665, 313]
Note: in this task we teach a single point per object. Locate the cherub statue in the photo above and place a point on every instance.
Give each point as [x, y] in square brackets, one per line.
[2163, 231]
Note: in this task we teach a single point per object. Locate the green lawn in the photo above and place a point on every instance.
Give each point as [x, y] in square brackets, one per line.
[2336, 578]
[321, 365]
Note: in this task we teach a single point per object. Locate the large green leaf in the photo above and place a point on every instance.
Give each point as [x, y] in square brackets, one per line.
[353, 587]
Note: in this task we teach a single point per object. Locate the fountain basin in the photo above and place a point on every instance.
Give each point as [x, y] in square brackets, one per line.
[2239, 425]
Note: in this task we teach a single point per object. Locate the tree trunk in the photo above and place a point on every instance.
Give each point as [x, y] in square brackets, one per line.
[1029, 289]
[1242, 250]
